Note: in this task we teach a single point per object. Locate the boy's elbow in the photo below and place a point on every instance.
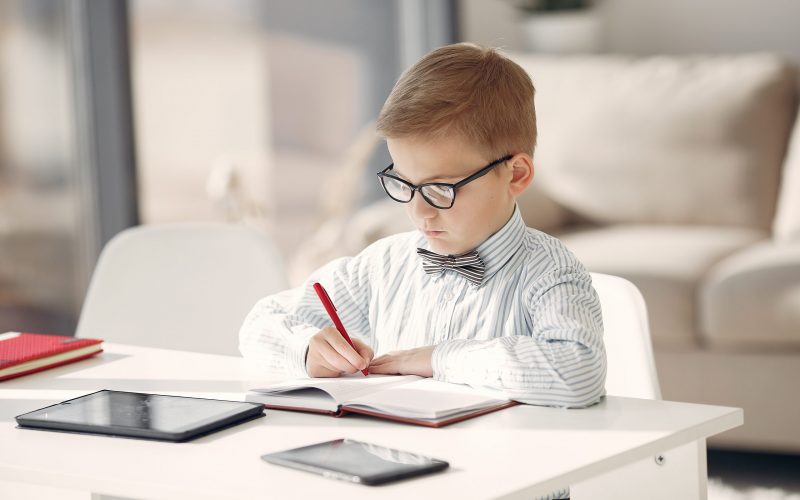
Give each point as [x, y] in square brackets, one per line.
[577, 391]
[585, 394]
[578, 388]
[247, 341]
[243, 349]
[585, 388]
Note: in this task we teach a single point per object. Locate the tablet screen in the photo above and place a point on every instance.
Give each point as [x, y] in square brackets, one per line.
[135, 411]
[356, 461]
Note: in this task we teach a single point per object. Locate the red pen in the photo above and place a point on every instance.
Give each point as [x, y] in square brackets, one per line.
[331, 309]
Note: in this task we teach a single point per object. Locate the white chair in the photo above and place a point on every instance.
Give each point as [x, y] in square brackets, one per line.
[185, 286]
[631, 366]
[632, 373]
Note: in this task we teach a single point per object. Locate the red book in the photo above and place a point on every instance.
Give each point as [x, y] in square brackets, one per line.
[24, 353]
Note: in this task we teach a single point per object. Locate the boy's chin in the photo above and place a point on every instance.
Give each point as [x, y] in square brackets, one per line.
[443, 248]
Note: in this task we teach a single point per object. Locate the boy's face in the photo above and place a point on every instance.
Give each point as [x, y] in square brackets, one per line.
[481, 207]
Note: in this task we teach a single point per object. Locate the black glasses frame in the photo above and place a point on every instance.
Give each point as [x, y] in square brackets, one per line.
[454, 187]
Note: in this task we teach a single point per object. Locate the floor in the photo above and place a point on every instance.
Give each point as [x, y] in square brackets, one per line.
[753, 476]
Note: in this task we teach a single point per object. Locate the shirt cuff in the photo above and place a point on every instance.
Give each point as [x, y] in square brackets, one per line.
[448, 360]
[298, 346]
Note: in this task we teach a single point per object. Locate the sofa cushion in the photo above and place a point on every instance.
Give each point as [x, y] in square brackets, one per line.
[666, 263]
[677, 140]
[787, 218]
[752, 299]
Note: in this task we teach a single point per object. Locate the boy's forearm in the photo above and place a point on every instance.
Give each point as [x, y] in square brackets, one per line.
[276, 340]
[566, 374]
[278, 353]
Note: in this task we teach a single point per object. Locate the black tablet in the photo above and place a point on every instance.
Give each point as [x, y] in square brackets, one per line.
[140, 415]
[356, 461]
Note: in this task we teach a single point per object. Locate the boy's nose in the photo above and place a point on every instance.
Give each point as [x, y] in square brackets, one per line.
[421, 208]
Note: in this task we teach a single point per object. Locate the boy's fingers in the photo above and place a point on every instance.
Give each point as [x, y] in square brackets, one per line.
[321, 369]
[335, 359]
[338, 342]
[318, 367]
[364, 350]
[330, 355]
[386, 367]
[379, 360]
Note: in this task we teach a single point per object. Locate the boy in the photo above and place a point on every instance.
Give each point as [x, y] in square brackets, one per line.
[474, 297]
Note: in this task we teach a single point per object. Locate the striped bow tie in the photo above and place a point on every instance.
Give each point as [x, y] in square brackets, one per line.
[469, 264]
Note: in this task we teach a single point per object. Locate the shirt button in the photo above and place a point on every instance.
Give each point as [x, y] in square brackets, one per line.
[449, 295]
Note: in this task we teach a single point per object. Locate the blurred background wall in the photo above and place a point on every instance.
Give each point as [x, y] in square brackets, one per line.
[39, 203]
[241, 110]
[145, 111]
[646, 27]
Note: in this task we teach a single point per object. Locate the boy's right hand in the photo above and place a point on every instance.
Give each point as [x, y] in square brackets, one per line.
[329, 354]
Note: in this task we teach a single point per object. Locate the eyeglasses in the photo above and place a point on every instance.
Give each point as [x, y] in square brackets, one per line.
[437, 194]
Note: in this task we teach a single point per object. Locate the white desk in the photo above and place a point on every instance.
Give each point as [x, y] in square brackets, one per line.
[515, 453]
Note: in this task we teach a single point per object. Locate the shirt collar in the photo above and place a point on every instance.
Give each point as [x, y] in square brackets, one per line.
[498, 248]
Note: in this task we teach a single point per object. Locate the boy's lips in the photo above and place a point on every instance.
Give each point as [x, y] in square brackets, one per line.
[431, 233]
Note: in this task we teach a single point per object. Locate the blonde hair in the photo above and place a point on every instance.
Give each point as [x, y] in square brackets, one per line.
[467, 90]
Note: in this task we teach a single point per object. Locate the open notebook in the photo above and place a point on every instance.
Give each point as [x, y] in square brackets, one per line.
[407, 398]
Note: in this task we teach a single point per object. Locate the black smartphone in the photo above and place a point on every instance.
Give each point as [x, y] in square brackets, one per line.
[356, 461]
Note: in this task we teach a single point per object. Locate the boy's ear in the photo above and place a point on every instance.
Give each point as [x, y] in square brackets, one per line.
[521, 173]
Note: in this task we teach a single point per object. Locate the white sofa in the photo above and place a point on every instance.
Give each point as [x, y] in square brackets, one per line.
[681, 174]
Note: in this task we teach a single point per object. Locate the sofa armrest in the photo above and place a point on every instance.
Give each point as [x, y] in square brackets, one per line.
[752, 299]
[786, 226]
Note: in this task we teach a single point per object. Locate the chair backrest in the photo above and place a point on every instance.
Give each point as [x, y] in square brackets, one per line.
[184, 286]
[631, 366]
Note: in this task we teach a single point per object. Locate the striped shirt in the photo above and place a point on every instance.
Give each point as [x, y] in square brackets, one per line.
[532, 328]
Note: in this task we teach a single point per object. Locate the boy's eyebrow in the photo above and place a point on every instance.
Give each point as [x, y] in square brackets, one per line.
[433, 178]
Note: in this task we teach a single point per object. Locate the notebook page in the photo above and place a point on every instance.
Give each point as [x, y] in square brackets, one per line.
[428, 399]
[341, 389]
[310, 399]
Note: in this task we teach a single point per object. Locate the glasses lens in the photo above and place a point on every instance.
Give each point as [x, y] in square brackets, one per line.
[439, 196]
[397, 189]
